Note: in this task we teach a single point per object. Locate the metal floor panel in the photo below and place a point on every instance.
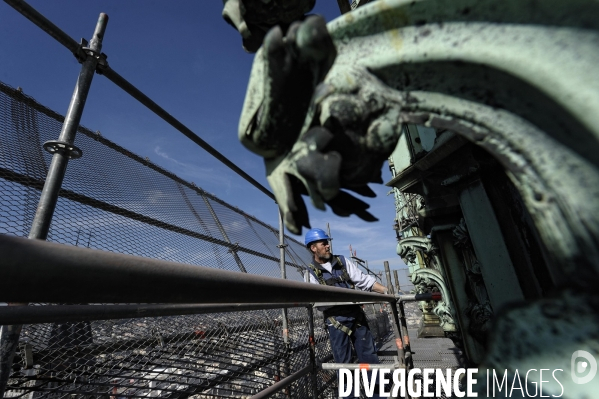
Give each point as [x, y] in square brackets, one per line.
[427, 352]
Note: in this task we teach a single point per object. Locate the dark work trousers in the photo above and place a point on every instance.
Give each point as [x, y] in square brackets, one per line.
[362, 341]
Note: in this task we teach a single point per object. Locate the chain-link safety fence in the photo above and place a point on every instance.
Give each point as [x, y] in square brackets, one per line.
[114, 200]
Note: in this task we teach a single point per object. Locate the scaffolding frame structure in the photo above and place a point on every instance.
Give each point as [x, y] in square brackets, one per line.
[84, 314]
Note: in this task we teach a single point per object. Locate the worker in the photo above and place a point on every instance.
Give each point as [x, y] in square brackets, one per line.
[346, 324]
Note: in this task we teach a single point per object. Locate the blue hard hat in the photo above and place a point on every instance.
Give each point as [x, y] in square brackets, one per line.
[315, 235]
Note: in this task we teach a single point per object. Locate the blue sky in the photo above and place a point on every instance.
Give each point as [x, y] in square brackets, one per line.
[187, 59]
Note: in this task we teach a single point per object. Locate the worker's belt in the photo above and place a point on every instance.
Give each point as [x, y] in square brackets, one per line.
[348, 311]
[341, 327]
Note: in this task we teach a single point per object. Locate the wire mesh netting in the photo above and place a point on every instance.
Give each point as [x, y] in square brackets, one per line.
[218, 355]
[114, 200]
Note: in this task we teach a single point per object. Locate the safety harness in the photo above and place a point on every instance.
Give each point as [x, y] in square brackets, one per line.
[344, 278]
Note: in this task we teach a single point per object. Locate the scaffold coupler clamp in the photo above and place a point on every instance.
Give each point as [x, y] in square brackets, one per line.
[62, 147]
[427, 296]
[85, 51]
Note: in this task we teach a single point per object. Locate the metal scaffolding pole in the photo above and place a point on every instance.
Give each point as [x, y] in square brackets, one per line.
[42, 22]
[399, 342]
[318, 304]
[221, 228]
[396, 281]
[388, 275]
[40, 271]
[398, 311]
[282, 247]
[271, 390]
[134, 92]
[64, 39]
[76, 313]
[63, 150]
[312, 344]
[285, 327]
[330, 238]
[398, 337]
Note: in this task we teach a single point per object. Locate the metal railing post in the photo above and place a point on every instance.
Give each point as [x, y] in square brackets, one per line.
[399, 342]
[312, 343]
[330, 239]
[285, 326]
[398, 337]
[388, 275]
[396, 281]
[404, 329]
[198, 218]
[63, 150]
[224, 233]
[42, 22]
[282, 247]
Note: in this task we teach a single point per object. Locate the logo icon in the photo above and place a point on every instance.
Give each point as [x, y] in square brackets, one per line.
[579, 367]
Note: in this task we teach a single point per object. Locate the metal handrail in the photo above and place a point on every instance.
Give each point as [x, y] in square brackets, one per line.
[271, 390]
[76, 313]
[39, 271]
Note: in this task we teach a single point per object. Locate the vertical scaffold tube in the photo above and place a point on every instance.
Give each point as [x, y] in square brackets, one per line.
[398, 337]
[397, 287]
[330, 238]
[222, 230]
[63, 149]
[389, 281]
[398, 326]
[312, 344]
[285, 325]
[405, 337]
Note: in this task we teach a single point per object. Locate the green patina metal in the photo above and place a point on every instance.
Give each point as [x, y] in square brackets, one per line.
[508, 170]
